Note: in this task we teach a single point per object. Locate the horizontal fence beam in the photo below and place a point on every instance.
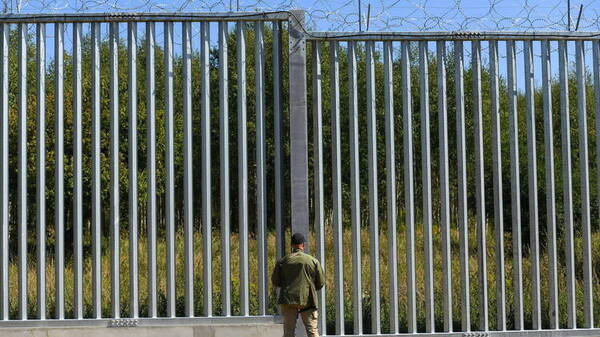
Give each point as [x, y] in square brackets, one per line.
[522, 333]
[140, 322]
[463, 36]
[144, 17]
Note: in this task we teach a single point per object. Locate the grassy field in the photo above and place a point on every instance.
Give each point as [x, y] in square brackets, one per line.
[347, 260]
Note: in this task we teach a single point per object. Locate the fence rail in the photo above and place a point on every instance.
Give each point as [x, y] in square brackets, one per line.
[449, 36]
[444, 122]
[143, 17]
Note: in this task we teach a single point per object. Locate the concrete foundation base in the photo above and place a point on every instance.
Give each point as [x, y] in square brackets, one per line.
[228, 330]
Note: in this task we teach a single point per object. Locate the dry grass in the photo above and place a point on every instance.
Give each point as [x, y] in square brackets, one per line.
[347, 261]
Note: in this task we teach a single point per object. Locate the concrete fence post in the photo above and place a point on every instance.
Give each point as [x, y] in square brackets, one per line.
[298, 124]
[298, 132]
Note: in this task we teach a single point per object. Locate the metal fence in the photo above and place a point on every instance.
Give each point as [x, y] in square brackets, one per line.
[333, 151]
[469, 215]
[105, 147]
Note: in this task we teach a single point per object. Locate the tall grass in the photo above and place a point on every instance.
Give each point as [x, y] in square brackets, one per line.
[386, 297]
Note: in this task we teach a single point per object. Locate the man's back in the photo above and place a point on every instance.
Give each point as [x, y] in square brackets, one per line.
[299, 276]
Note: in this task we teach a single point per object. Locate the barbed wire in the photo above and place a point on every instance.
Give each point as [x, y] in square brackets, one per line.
[385, 15]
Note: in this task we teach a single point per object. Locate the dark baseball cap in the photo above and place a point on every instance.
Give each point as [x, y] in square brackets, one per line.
[298, 239]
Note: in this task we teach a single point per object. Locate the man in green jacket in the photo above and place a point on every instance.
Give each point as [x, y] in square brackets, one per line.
[299, 276]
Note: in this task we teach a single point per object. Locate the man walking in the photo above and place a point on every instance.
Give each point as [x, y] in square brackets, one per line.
[299, 276]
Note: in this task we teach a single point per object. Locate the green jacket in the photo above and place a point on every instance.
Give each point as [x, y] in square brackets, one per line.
[299, 276]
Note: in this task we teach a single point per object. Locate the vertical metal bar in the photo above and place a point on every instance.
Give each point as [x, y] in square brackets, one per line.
[373, 195]
[337, 186]
[96, 191]
[298, 127]
[242, 168]
[78, 175]
[588, 302]
[550, 187]
[187, 170]
[462, 187]
[444, 186]
[480, 187]
[534, 244]
[206, 174]
[278, 121]
[22, 218]
[133, 174]
[41, 170]
[426, 176]
[567, 181]
[151, 167]
[318, 166]
[4, 174]
[59, 187]
[515, 194]
[278, 126]
[261, 206]
[498, 190]
[170, 168]
[596, 72]
[114, 168]
[355, 196]
[390, 163]
[224, 142]
[409, 187]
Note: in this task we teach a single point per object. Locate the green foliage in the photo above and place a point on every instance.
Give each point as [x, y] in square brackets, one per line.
[105, 133]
